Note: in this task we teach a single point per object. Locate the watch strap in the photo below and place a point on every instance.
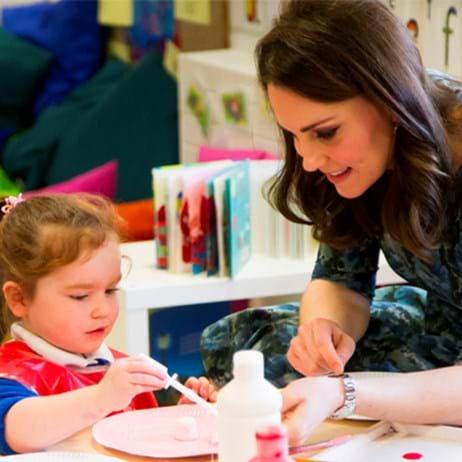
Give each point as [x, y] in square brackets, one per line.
[349, 403]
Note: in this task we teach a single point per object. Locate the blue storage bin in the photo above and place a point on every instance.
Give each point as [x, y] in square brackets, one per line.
[175, 335]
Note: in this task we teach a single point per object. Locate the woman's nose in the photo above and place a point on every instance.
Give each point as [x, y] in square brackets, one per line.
[313, 159]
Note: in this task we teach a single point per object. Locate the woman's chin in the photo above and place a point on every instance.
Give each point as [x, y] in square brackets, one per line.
[349, 193]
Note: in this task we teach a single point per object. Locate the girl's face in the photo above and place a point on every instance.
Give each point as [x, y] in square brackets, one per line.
[350, 142]
[75, 306]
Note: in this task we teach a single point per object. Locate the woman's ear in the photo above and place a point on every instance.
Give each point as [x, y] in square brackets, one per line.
[15, 298]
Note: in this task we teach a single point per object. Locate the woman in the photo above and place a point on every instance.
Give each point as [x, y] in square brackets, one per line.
[373, 157]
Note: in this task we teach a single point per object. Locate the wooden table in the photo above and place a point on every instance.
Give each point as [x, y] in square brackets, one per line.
[83, 442]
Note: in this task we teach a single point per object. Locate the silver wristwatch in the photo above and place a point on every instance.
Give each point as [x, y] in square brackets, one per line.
[349, 404]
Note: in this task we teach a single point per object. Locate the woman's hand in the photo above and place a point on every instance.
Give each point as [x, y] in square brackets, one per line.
[320, 347]
[307, 402]
[202, 387]
[126, 378]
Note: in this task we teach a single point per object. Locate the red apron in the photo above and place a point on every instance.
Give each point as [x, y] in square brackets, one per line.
[18, 362]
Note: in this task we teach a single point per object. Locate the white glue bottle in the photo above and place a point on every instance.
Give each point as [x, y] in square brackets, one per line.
[244, 404]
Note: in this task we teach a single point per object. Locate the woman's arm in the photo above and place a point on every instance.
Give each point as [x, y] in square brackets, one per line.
[334, 301]
[332, 318]
[342, 287]
[429, 397]
[334, 311]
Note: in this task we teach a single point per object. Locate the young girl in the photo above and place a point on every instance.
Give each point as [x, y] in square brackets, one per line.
[59, 270]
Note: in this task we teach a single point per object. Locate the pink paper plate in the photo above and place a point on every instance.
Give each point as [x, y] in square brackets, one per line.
[150, 432]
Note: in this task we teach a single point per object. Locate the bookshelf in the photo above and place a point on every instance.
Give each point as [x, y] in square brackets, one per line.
[145, 288]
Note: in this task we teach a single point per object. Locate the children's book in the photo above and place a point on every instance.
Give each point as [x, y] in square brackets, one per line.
[194, 198]
[263, 216]
[217, 230]
[176, 263]
[178, 195]
[222, 196]
[237, 200]
[160, 191]
[221, 224]
[210, 217]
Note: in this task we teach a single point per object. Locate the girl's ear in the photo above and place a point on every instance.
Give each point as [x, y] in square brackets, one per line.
[15, 298]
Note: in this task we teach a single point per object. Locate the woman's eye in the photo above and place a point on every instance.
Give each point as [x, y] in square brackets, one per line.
[326, 133]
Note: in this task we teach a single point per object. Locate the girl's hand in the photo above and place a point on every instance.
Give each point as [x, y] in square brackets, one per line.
[320, 347]
[307, 402]
[126, 378]
[202, 387]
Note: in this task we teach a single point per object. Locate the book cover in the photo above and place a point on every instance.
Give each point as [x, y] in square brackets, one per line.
[160, 193]
[213, 216]
[177, 213]
[237, 200]
[194, 186]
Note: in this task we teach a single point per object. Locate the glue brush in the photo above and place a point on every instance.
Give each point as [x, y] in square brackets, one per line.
[316, 447]
[190, 394]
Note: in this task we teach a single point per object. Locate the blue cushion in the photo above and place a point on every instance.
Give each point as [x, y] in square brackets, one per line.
[69, 30]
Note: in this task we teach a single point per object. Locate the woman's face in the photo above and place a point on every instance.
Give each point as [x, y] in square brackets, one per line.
[350, 142]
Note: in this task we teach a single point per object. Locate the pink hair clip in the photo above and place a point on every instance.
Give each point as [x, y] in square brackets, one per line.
[11, 202]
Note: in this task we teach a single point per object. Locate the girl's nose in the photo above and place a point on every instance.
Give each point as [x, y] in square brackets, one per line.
[102, 308]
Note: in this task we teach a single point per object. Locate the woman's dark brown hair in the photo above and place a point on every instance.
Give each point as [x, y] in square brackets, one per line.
[333, 50]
